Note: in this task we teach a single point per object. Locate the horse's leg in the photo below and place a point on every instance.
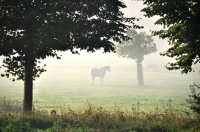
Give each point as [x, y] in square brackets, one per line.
[92, 80]
[102, 79]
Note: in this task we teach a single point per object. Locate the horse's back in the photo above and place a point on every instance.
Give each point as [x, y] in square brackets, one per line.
[95, 72]
[102, 71]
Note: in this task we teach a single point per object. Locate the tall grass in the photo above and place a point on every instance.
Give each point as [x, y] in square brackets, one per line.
[91, 118]
[8, 105]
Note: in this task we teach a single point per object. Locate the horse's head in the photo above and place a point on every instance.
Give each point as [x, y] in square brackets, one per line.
[108, 68]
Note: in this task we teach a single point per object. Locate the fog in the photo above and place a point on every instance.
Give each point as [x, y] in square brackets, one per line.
[74, 69]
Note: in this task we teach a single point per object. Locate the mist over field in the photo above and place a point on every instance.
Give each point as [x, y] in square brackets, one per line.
[68, 81]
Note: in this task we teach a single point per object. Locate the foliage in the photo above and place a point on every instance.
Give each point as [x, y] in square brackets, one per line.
[181, 27]
[194, 98]
[91, 118]
[19, 127]
[137, 47]
[44, 27]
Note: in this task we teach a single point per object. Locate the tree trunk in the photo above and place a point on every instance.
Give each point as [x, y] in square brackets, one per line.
[28, 81]
[139, 73]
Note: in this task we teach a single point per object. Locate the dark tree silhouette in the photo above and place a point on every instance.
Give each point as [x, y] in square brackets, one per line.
[36, 29]
[180, 19]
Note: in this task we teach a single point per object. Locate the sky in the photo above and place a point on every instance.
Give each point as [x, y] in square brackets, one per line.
[134, 10]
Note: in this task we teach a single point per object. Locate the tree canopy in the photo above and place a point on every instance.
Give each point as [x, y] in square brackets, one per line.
[180, 19]
[49, 26]
[137, 47]
[36, 29]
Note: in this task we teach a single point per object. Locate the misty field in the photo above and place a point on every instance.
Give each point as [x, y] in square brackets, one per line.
[118, 105]
[70, 87]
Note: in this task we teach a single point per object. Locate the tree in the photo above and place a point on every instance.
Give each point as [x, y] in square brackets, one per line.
[140, 45]
[180, 19]
[34, 30]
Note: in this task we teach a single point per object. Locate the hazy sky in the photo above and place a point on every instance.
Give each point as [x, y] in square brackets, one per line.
[134, 10]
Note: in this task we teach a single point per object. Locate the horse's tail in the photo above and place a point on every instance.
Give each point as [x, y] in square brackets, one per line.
[94, 72]
[92, 79]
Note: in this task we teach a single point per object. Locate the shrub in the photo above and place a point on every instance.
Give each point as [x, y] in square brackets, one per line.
[18, 127]
[194, 98]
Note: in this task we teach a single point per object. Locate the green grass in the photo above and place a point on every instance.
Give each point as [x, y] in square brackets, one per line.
[118, 105]
[120, 89]
[90, 118]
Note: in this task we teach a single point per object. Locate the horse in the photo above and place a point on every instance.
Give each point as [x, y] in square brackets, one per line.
[99, 73]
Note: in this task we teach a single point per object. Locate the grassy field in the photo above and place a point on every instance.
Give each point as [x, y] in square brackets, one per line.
[120, 105]
[71, 88]
[90, 118]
